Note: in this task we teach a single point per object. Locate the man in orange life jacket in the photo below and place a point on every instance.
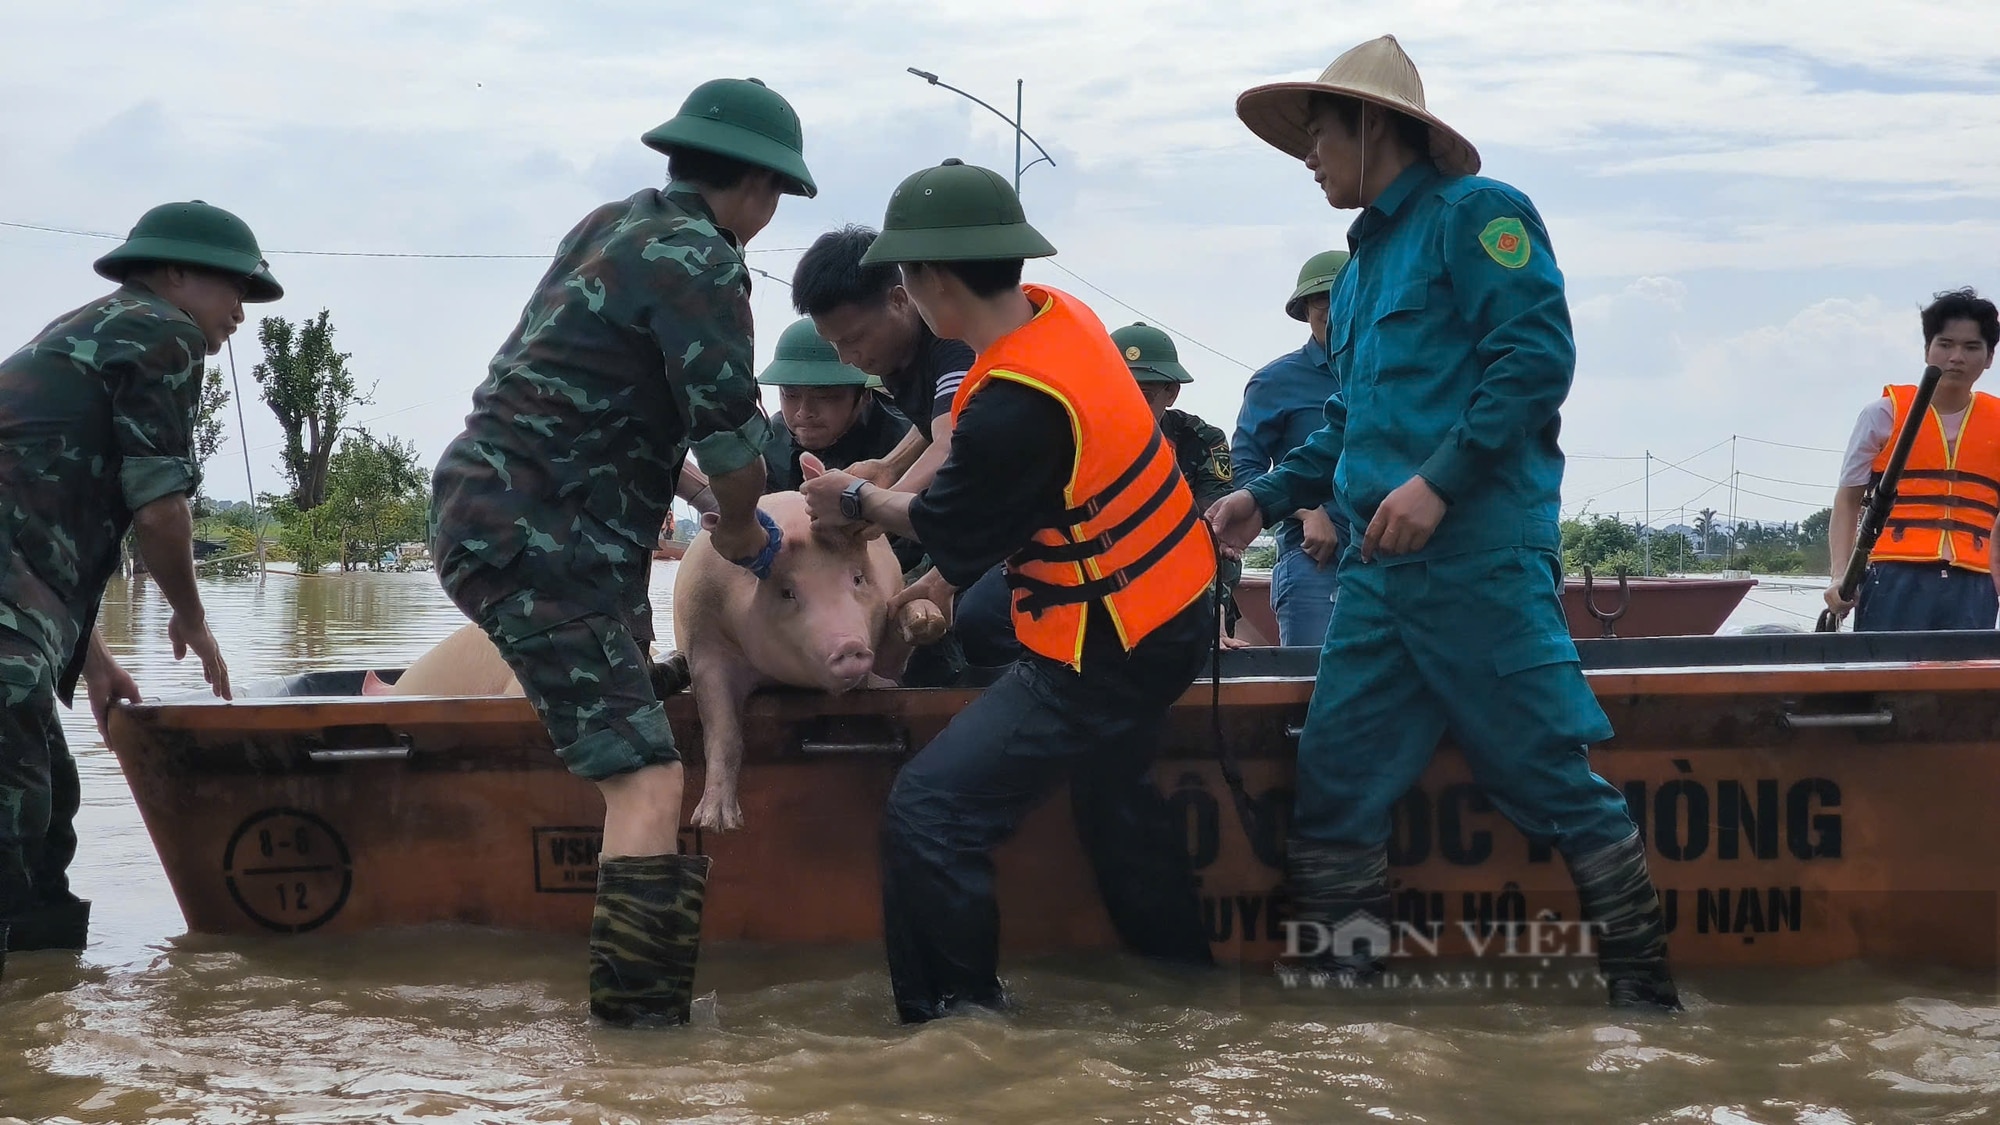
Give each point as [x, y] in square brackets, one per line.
[1933, 566]
[1057, 468]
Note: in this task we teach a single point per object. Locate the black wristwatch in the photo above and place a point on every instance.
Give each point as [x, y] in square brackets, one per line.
[850, 499]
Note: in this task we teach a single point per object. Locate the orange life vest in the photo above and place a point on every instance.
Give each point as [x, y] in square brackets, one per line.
[1948, 495]
[1131, 537]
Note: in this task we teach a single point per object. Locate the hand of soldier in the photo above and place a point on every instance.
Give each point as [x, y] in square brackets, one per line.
[875, 471]
[1404, 521]
[105, 686]
[197, 637]
[822, 489]
[1322, 542]
[745, 542]
[1236, 520]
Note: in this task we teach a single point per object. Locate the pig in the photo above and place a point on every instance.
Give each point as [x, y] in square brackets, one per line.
[820, 620]
[465, 663]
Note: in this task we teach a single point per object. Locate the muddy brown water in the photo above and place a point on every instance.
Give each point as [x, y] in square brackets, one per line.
[463, 1025]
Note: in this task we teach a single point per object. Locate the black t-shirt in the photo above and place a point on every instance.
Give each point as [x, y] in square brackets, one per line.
[1011, 453]
[924, 387]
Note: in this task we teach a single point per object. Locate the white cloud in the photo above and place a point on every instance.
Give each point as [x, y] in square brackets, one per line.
[1686, 145]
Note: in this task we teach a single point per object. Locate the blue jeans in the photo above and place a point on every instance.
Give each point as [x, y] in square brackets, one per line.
[1475, 645]
[1302, 595]
[1924, 597]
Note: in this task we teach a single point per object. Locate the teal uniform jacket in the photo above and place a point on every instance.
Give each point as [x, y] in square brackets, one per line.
[1449, 336]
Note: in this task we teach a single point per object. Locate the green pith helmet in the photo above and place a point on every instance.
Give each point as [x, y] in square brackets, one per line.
[1150, 354]
[742, 119]
[1315, 277]
[194, 234]
[955, 212]
[805, 359]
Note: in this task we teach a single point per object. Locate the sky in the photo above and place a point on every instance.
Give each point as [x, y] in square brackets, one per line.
[1750, 202]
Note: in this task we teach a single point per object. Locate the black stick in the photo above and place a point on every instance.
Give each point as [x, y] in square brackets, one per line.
[1876, 514]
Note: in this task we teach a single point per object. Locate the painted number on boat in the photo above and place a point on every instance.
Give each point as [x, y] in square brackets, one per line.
[566, 857]
[288, 870]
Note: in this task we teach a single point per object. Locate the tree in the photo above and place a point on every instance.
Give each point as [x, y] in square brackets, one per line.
[208, 422]
[1814, 542]
[1703, 525]
[375, 496]
[1604, 543]
[307, 385]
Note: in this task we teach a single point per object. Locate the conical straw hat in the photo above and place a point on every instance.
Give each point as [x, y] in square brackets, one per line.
[1377, 71]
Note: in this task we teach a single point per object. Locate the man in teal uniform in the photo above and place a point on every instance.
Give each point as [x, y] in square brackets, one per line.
[96, 437]
[1200, 450]
[1450, 336]
[634, 349]
[1284, 402]
[825, 408]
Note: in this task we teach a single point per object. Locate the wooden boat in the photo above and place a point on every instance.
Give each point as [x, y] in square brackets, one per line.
[1806, 800]
[1657, 607]
[670, 550]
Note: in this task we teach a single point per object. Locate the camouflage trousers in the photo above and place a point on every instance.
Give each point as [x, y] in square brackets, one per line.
[585, 666]
[39, 790]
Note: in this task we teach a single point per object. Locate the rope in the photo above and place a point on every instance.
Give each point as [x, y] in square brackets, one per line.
[1232, 771]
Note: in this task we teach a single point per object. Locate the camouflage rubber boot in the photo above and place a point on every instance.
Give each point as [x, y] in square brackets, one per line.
[644, 937]
[1340, 900]
[1618, 895]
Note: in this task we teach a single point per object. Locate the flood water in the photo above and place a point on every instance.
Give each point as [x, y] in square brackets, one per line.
[456, 1025]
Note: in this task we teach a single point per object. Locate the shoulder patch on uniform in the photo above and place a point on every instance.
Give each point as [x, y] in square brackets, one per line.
[1506, 242]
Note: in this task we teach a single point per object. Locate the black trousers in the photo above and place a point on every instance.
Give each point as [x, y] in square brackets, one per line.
[1041, 724]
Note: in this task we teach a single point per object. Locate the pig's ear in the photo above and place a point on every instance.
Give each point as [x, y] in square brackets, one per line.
[709, 520]
[811, 466]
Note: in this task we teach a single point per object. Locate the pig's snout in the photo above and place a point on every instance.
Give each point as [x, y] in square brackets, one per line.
[851, 661]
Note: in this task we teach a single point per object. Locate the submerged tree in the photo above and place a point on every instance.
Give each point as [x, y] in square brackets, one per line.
[307, 385]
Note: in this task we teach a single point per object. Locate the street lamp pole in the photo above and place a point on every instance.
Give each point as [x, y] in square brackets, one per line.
[1015, 121]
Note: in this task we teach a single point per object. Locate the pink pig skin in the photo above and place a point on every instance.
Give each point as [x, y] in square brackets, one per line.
[818, 621]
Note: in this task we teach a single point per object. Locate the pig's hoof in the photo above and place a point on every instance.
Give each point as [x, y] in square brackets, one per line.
[922, 623]
[670, 676]
[717, 813]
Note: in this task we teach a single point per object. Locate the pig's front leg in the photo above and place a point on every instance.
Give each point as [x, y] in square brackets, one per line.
[722, 681]
[918, 622]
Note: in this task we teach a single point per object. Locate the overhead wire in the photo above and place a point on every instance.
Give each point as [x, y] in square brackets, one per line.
[1114, 298]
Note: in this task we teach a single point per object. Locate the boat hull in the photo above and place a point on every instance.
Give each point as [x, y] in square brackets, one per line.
[1788, 822]
[1658, 607]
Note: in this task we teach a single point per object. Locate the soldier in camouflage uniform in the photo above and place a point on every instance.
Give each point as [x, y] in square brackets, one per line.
[634, 349]
[96, 425]
[1201, 450]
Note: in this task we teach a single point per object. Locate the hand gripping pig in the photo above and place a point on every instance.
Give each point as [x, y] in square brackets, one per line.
[818, 621]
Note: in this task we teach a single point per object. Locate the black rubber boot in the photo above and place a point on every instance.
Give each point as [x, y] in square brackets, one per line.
[1340, 897]
[1619, 896]
[52, 925]
[670, 676]
[644, 937]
